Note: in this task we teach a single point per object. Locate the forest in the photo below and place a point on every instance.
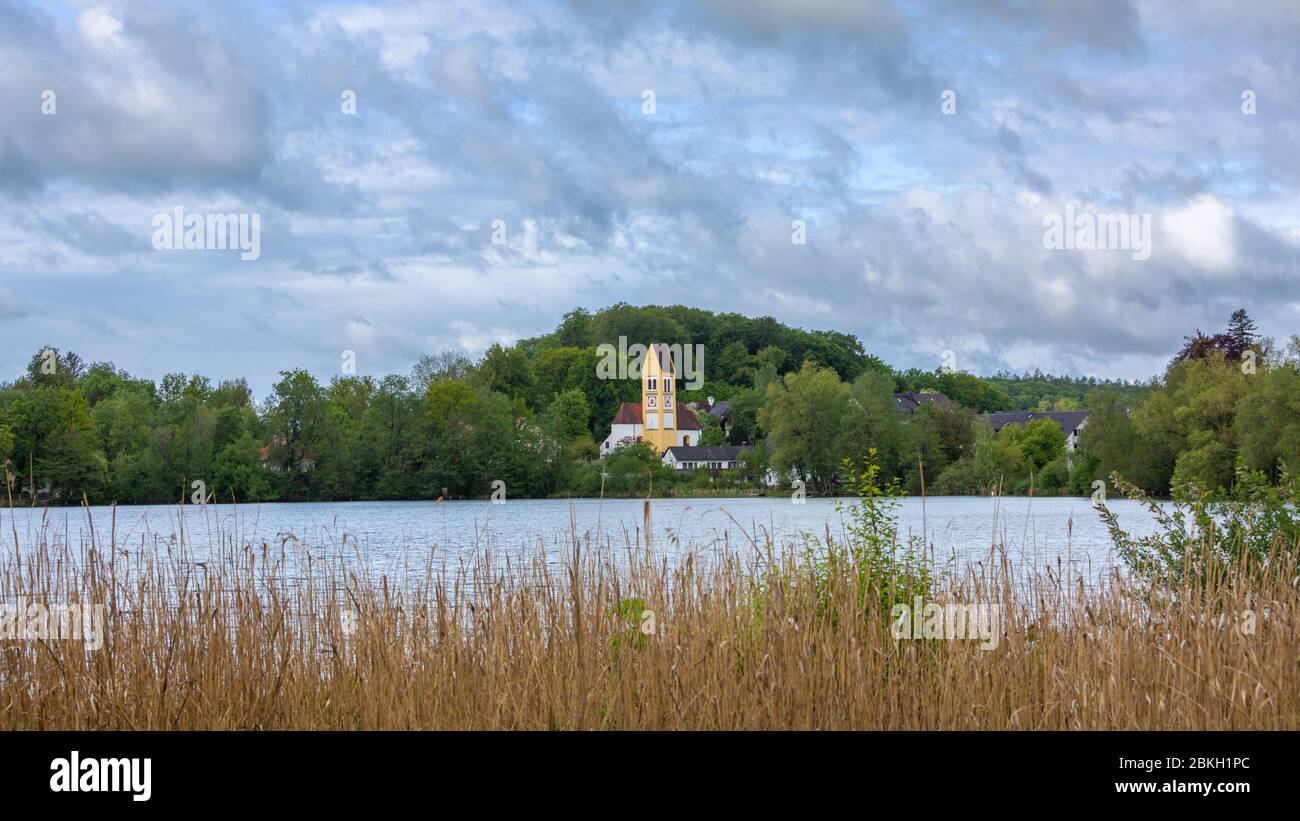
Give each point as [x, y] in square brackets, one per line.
[532, 414]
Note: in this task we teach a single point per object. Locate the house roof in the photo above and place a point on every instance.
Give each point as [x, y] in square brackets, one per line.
[629, 413]
[909, 401]
[719, 408]
[686, 419]
[706, 453]
[1068, 420]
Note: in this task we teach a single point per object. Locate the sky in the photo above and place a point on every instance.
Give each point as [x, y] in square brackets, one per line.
[458, 174]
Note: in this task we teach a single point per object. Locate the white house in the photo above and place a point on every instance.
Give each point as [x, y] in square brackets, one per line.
[712, 457]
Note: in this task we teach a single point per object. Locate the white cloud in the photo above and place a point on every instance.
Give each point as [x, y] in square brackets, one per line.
[924, 230]
[1203, 232]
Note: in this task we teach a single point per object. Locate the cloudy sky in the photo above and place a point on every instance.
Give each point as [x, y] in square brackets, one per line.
[921, 144]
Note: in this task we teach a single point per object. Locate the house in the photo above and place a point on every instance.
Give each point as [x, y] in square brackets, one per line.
[1071, 422]
[306, 460]
[720, 410]
[25, 491]
[659, 419]
[908, 402]
[711, 457]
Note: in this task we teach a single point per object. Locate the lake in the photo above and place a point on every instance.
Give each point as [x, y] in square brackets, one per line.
[388, 536]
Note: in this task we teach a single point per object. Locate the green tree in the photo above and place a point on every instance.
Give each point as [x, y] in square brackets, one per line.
[1267, 425]
[711, 430]
[53, 433]
[804, 416]
[296, 416]
[569, 414]
[508, 371]
[1042, 441]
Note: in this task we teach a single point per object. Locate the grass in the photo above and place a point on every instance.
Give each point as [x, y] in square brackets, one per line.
[253, 637]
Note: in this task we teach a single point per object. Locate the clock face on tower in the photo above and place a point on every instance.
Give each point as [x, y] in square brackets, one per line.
[652, 401]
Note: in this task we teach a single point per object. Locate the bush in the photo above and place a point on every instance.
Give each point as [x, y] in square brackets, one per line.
[1207, 534]
[887, 571]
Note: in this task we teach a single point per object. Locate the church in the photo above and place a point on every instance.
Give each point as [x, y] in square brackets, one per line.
[659, 419]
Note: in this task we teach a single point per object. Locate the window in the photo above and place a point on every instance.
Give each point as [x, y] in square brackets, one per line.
[668, 385]
[652, 421]
[686, 440]
[651, 383]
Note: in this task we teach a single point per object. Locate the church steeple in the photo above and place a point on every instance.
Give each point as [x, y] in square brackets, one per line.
[659, 397]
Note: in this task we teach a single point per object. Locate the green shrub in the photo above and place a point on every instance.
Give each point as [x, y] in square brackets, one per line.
[1206, 533]
[887, 569]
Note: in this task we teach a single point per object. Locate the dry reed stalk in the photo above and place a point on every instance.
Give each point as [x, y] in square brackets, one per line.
[253, 636]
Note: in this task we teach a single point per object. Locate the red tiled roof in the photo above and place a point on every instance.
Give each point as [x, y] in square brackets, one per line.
[629, 413]
[686, 418]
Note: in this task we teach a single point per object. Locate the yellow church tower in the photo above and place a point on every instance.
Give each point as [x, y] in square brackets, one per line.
[659, 398]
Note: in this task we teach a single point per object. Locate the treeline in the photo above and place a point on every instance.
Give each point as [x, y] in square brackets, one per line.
[1226, 403]
[530, 415]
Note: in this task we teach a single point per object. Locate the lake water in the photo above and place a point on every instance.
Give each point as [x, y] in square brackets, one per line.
[1064, 533]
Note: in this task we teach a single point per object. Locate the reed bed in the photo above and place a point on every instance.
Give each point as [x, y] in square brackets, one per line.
[291, 636]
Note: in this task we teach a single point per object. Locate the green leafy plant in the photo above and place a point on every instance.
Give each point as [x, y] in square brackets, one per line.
[884, 568]
[1203, 533]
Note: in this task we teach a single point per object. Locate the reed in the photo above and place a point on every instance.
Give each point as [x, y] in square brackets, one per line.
[288, 635]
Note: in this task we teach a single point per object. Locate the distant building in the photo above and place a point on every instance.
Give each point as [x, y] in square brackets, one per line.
[306, 460]
[720, 410]
[710, 457]
[659, 419]
[1071, 422]
[908, 402]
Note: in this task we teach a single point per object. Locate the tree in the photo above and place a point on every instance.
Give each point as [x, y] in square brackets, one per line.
[552, 371]
[804, 417]
[568, 415]
[445, 365]
[1241, 334]
[1193, 411]
[53, 436]
[871, 422]
[1043, 441]
[575, 330]
[1267, 425]
[296, 414]
[395, 441]
[1107, 444]
[711, 430]
[508, 371]
[1232, 344]
[629, 469]
[733, 365]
